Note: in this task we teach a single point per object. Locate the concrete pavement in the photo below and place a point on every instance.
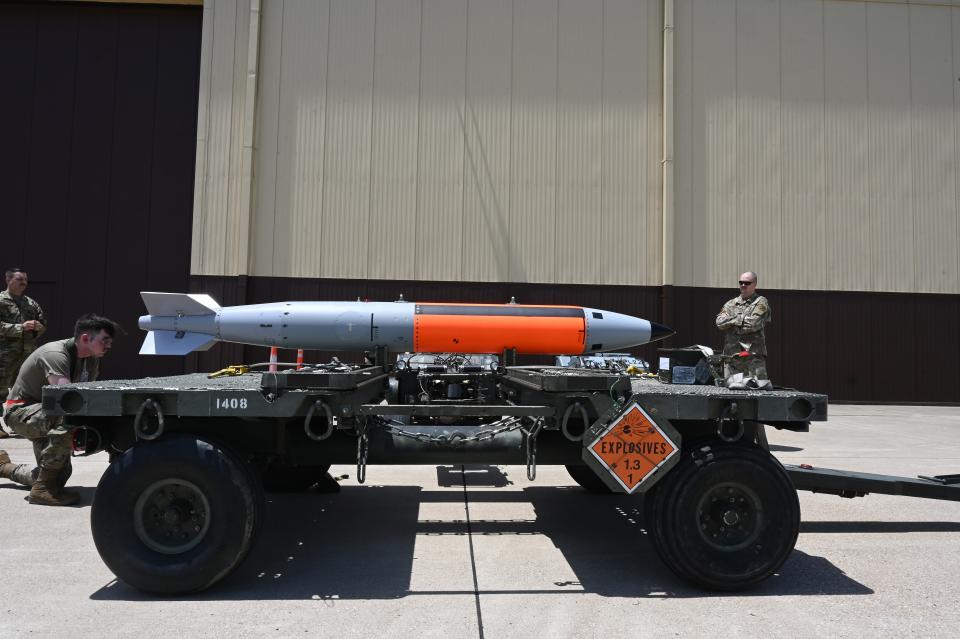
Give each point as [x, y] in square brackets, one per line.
[428, 551]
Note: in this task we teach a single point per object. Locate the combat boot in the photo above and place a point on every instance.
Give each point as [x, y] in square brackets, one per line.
[46, 490]
[6, 468]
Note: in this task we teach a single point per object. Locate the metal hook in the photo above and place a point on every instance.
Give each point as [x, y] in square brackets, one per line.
[138, 432]
[319, 404]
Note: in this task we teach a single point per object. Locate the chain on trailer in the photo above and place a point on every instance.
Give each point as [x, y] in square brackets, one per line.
[532, 448]
[505, 425]
[362, 448]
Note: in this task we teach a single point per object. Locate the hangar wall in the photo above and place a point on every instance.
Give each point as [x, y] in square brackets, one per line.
[520, 141]
[822, 140]
[442, 140]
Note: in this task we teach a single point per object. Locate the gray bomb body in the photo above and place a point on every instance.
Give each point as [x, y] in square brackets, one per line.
[180, 323]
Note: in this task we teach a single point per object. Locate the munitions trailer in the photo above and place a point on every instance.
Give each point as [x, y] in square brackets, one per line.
[182, 500]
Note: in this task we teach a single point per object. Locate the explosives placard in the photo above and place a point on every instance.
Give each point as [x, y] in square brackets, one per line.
[632, 447]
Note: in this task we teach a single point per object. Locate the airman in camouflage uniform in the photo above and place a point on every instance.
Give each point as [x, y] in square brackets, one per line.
[61, 362]
[742, 321]
[21, 323]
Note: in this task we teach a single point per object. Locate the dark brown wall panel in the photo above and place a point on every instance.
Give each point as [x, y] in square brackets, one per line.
[849, 351]
[800, 355]
[935, 346]
[18, 60]
[96, 170]
[892, 329]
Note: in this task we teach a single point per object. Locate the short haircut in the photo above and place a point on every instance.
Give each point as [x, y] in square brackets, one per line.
[95, 323]
[13, 269]
[754, 275]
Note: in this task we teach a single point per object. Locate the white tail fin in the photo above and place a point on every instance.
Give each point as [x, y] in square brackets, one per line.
[175, 343]
[179, 304]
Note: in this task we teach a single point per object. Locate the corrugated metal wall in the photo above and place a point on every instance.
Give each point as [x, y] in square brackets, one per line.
[437, 139]
[98, 112]
[818, 142]
[221, 233]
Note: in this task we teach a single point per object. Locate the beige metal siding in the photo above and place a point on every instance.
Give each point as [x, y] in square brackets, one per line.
[757, 222]
[802, 142]
[706, 150]
[291, 131]
[393, 174]
[345, 212]
[847, 215]
[435, 139]
[579, 138]
[891, 170]
[935, 160]
[219, 240]
[627, 236]
[956, 124]
[816, 144]
[533, 154]
[439, 215]
[488, 249]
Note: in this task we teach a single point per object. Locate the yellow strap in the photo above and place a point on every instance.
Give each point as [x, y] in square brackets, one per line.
[230, 371]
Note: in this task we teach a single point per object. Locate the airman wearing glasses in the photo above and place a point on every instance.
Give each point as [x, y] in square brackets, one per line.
[742, 321]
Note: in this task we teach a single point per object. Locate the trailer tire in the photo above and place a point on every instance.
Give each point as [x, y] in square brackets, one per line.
[176, 515]
[585, 477]
[726, 518]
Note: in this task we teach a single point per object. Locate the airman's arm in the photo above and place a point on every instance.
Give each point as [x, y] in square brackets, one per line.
[726, 319]
[756, 317]
[8, 326]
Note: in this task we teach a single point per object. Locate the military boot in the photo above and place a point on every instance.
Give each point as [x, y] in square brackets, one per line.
[6, 468]
[23, 474]
[46, 490]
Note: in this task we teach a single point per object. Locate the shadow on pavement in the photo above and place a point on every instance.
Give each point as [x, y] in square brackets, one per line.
[86, 493]
[359, 544]
[780, 448]
[878, 526]
[471, 475]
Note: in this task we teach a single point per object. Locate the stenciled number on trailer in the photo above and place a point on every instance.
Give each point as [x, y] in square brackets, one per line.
[231, 403]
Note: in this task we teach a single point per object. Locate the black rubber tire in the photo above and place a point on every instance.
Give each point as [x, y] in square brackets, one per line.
[193, 472]
[711, 541]
[292, 479]
[585, 477]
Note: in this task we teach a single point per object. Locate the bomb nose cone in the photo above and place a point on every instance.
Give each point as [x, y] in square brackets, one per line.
[659, 331]
[145, 322]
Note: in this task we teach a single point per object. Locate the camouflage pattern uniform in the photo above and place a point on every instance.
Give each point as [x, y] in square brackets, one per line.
[742, 322]
[15, 343]
[23, 411]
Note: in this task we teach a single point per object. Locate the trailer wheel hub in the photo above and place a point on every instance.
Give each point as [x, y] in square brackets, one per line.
[730, 516]
[171, 516]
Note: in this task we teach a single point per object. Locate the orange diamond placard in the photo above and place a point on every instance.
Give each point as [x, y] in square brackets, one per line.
[632, 447]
